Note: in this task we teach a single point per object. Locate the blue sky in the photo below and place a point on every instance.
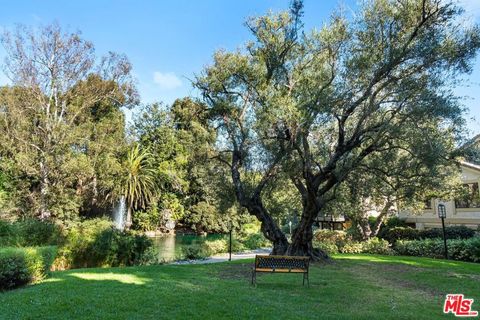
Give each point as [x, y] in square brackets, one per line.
[169, 41]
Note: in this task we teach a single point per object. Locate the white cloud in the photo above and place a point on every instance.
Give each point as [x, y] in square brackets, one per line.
[167, 80]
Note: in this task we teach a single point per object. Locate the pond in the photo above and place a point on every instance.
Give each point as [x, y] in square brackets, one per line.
[170, 246]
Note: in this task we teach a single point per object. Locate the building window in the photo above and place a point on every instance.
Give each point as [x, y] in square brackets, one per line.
[331, 225]
[428, 204]
[469, 196]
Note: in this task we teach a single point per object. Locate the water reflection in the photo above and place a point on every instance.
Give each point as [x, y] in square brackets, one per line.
[170, 246]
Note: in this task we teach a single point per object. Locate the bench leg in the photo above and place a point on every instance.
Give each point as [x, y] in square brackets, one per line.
[305, 276]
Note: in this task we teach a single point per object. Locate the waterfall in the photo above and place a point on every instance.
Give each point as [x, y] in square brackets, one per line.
[119, 213]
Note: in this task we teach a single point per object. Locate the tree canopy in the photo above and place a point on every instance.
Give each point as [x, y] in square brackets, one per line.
[318, 105]
[61, 121]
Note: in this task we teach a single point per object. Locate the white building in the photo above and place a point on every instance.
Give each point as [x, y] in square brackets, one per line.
[465, 211]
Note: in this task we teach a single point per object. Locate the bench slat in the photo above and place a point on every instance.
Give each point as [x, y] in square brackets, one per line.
[281, 264]
[280, 270]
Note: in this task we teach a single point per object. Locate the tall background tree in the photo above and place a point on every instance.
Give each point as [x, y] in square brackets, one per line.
[61, 122]
[181, 142]
[318, 105]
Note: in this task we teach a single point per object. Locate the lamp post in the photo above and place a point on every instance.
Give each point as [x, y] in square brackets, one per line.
[230, 242]
[442, 214]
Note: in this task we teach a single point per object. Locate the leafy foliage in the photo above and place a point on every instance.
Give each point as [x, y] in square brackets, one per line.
[340, 242]
[62, 127]
[96, 243]
[458, 249]
[407, 233]
[140, 185]
[29, 233]
[20, 266]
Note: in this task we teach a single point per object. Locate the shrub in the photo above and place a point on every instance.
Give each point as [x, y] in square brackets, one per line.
[9, 235]
[194, 251]
[250, 228]
[391, 223]
[339, 242]
[454, 232]
[328, 247]
[29, 233]
[211, 247]
[207, 248]
[458, 249]
[96, 243]
[376, 246]
[19, 266]
[401, 233]
[335, 241]
[329, 240]
[39, 233]
[116, 248]
[331, 236]
[255, 241]
[237, 246]
[148, 220]
[351, 247]
[407, 233]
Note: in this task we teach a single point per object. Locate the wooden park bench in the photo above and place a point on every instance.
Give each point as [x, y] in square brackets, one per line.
[281, 264]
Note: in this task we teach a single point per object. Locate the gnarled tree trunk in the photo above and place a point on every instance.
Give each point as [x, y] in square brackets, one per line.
[302, 237]
[255, 207]
[269, 228]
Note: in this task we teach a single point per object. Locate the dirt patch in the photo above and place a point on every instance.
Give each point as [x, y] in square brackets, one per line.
[236, 271]
[386, 275]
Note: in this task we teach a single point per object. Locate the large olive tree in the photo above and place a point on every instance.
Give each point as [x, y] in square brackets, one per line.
[316, 105]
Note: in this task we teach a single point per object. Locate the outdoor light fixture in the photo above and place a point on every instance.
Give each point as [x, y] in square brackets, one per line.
[442, 211]
[442, 214]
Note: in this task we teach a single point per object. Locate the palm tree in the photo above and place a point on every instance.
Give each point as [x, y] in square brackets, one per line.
[140, 186]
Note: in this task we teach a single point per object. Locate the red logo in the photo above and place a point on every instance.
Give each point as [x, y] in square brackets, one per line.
[459, 306]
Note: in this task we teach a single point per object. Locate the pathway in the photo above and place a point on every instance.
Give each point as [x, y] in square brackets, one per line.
[224, 257]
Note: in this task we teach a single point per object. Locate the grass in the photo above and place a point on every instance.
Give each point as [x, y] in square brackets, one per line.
[351, 287]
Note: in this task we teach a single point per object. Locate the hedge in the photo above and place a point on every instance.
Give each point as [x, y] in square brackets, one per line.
[20, 266]
[458, 249]
[96, 243]
[340, 242]
[406, 233]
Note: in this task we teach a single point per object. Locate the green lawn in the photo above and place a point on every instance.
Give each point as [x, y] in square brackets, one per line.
[351, 287]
